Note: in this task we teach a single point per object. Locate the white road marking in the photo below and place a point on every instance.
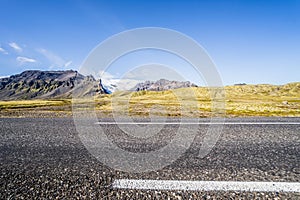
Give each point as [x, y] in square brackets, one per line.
[200, 123]
[206, 185]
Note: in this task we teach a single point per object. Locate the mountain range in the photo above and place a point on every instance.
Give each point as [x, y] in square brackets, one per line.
[36, 84]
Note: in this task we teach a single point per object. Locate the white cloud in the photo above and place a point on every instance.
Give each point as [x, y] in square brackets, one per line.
[126, 84]
[67, 64]
[54, 59]
[114, 83]
[23, 60]
[15, 46]
[3, 51]
[104, 75]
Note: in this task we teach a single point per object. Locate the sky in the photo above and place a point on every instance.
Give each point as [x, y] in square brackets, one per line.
[249, 41]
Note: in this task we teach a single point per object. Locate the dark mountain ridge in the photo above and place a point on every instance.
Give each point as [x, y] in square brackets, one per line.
[35, 84]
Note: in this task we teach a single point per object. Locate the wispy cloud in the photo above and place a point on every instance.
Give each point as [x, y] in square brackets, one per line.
[15, 46]
[105, 75]
[23, 60]
[55, 60]
[3, 51]
[67, 64]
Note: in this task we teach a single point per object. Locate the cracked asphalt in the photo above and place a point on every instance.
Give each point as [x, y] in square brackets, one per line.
[44, 158]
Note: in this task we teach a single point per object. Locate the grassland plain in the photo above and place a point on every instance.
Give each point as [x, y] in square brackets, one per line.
[239, 100]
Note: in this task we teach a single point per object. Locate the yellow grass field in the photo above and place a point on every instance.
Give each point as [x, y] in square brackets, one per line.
[238, 100]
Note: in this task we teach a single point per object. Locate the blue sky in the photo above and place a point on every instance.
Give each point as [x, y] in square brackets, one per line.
[249, 41]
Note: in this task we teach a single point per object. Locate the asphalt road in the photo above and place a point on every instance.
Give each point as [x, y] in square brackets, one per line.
[45, 158]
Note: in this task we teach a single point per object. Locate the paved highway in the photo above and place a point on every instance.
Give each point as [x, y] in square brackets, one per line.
[46, 158]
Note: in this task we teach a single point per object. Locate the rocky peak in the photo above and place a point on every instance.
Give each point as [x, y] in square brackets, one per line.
[162, 84]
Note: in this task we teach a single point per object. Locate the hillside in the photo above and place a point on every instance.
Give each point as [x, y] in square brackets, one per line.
[35, 84]
[239, 100]
[246, 100]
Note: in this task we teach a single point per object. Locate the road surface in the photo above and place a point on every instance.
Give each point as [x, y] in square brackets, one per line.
[46, 158]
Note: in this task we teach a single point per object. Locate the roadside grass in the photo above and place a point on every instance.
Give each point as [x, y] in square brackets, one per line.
[249, 100]
[18, 104]
[246, 100]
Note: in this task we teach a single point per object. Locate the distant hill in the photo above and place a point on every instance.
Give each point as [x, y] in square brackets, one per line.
[289, 89]
[35, 84]
[161, 85]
